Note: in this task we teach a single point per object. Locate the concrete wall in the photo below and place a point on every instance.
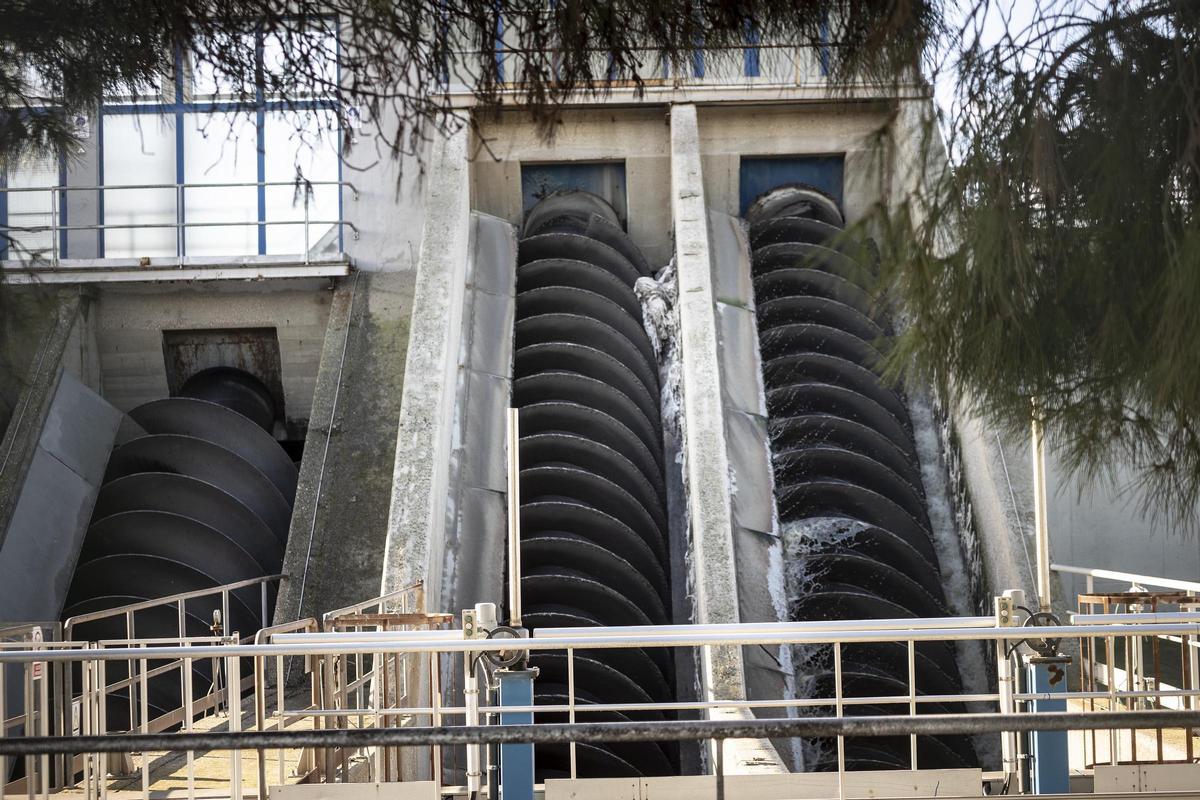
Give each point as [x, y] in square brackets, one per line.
[1105, 528]
[129, 322]
[639, 136]
[729, 132]
[335, 546]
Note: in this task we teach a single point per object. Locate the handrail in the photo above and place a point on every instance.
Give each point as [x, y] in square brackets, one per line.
[1130, 577]
[414, 592]
[367, 681]
[79, 619]
[185, 185]
[350, 643]
[58, 208]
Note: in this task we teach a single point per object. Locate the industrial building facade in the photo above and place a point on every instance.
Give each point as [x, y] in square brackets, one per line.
[631, 368]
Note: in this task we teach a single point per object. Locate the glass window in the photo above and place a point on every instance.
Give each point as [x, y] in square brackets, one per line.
[301, 145]
[207, 84]
[139, 149]
[31, 209]
[220, 149]
[315, 46]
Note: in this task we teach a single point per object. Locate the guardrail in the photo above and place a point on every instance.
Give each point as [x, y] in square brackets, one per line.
[1160, 670]
[357, 722]
[755, 64]
[1093, 574]
[11, 236]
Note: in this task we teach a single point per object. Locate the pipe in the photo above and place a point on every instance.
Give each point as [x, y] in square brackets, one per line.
[1041, 531]
[471, 698]
[562, 733]
[781, 627]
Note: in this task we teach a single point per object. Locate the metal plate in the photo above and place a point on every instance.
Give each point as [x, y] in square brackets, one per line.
[823, 398]
[542, 550]
[171, 536]
[553, 483]
[574, 400]
[795, 281]
[808, 499]
[795, 200]
[797, 229]
[598, 228]
[876, 577]
[155, 577]
[791, 434]
[590, 362]
[191, 497]
[235, 389]
[834, 463]
[581, 248]
[799, 338]
[579, 275]
[554, 300]
[574, 202]
[561, 449]
[584, 329]
[836, 371]
[569, 517]
[601, 679]
[803, 255]
[819, 311]
[210, 463]
[579, 420]
[221, 425]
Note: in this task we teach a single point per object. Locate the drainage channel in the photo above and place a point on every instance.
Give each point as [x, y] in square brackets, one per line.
[847, 477]
[593, 501]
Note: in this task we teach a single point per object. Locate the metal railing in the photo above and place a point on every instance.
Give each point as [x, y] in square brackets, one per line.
[1139, 671]
[1129, 578]
[354, 719]
[12, 236]
[62, 699]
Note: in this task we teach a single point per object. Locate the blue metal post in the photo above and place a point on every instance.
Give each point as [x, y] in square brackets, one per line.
[516, 760]
[1049, 768]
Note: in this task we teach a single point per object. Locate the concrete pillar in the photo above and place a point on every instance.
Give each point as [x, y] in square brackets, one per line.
[706, 454]
[417, 520]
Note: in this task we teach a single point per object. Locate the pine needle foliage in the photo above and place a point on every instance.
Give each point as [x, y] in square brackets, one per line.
[58, 58]
[1057, 261]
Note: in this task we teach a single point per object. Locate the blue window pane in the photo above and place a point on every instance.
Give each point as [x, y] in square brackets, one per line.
[762, 174]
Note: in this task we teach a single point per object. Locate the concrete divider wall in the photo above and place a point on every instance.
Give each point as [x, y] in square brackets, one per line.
[335, 548]
[717, 547]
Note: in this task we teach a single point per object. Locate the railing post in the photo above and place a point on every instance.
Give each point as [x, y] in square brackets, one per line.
[179, 222]
[54, 226]
[1006, 685]
[233, 684]
[306, 193]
